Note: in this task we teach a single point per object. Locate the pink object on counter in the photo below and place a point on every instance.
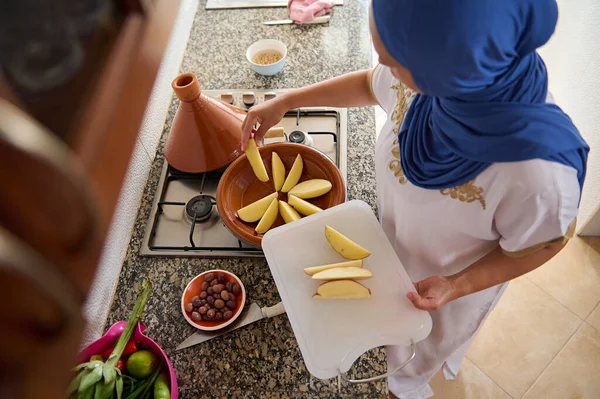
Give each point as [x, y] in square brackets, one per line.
[109, 340]
[303, 11]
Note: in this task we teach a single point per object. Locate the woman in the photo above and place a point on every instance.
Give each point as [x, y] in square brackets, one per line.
[479, 175]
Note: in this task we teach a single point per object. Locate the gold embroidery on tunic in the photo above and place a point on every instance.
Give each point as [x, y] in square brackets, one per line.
[403, 94]
[395, 165]
[467, 192]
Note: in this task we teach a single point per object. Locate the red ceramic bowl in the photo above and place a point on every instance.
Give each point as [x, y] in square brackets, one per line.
[239, 186]
[193, 289]
[109, 340]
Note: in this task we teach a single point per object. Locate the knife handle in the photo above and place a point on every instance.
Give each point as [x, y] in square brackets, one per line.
[274, 310]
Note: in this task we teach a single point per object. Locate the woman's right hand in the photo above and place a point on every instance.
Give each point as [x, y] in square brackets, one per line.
[267, 114]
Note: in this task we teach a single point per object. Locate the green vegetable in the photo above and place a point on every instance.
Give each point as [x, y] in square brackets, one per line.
[161, 387]
[141, 364]
[97, 357]
[103, 380]
[143, 390]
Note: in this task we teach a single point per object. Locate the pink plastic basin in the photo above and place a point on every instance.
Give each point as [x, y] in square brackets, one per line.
[109, 340]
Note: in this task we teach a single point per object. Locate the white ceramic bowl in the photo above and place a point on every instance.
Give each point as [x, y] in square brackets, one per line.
[193, 288]
[267, 44]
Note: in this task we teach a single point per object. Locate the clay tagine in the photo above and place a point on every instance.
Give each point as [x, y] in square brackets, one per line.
[206, 132]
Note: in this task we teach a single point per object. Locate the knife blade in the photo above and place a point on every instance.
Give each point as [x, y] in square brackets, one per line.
[318, 20]
[253, 314]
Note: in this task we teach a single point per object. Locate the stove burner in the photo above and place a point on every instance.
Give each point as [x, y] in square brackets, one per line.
[300, 137]
[199, 208]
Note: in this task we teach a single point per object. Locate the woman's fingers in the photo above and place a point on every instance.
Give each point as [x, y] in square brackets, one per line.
[423, 303]
[247, 126]
[263, 128]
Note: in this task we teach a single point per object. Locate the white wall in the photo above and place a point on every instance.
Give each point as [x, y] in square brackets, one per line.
[573, 59]
[97, 306]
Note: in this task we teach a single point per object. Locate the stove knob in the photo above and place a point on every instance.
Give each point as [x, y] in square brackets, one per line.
[227, 98]
[297, 137]
[249, 99]
[270, 95]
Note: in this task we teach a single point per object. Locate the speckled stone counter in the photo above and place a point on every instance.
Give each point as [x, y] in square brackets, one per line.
[261, 360]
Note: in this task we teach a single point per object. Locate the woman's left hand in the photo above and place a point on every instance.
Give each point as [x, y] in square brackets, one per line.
[433, 293]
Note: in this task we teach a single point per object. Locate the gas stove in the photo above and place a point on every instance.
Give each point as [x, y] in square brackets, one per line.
[185, 221]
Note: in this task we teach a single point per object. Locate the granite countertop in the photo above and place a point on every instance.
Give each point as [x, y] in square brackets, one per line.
[261, 360]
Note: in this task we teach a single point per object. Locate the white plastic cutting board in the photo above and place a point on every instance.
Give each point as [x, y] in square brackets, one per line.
[333, 333]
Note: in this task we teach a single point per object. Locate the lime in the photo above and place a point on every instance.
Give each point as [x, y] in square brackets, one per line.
[141, 364]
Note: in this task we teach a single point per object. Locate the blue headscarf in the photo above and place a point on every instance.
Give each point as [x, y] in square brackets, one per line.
[484, 87]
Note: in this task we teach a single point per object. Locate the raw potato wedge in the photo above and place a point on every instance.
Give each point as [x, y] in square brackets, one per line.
[345, 246]
[256, 161]
[316, 269]
[304, 207]
[278, 171]
[294, 176]
[311, 188]
[268, 218]
[288, 213]
[343, 273]
[342, 289]
[253, 212]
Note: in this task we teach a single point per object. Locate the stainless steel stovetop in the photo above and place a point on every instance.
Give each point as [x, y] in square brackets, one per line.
[184, 220]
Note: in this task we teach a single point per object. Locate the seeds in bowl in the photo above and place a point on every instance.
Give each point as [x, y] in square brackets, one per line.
[266, 57]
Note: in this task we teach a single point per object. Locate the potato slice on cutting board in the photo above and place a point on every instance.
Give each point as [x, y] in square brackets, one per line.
[343, 273]
[256, 161]
[316, 269]
[345, 246]
[342, 289]
[278, 171]
[294, 176]
[311, 188]
[304, 207]
[253, 212]
[268, 218]
[288, 213]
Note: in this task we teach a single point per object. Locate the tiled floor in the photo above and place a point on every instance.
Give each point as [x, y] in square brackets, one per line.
[543, 339]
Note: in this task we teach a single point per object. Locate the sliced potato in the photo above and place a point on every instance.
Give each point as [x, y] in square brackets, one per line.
[342, 289]
[345, 246]
[268, 218]
[316, 269]
[294, 176]
[311, 188]
[256, 161]
[253, 212]
[304, 207]
[288, 213]
[278, 171]
[343, 273]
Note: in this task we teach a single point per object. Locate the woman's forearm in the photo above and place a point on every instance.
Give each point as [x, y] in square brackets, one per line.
[497, 268]
[349, 90]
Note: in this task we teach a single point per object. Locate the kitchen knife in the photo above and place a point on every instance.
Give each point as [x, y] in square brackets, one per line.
[318, 20]
[254, 313]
